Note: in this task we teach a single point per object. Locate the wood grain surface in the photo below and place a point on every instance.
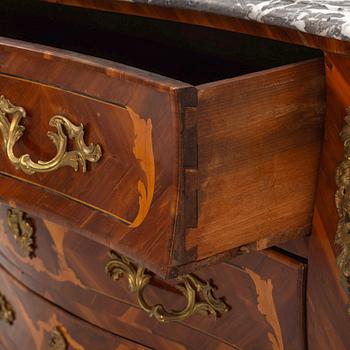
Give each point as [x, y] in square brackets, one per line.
[328, 321]
[36, 319]
[259, 140]
[264, 290]
[298, 247]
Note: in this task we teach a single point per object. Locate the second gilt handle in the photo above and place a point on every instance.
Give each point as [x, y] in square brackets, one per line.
[190, 286]
[12, 131]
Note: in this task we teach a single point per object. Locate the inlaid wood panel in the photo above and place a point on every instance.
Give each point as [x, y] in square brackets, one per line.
[125, 137]
[35, 320]
[265, 292]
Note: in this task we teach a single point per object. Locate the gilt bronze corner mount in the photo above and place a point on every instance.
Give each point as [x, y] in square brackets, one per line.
[342, 201]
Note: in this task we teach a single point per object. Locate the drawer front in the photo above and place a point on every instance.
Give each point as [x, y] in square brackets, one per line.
[123, 127]
[111, 183]
[264, 290]
[33, 323]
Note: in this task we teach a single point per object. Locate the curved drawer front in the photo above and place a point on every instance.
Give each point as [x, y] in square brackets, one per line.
[39, 325]
[120, 182]
[255, 286]
[101, 134]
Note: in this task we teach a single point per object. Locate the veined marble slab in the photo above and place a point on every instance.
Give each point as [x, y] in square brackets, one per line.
[328, 18]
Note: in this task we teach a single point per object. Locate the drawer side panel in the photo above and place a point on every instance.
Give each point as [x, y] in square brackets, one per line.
[259, 140]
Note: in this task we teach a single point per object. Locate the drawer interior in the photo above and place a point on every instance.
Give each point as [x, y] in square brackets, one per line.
[183, 52]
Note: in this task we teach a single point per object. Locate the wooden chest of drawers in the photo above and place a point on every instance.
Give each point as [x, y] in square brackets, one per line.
[147, 169]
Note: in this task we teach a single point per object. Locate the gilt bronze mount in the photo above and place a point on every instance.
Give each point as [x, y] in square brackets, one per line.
[199, 295]
[342, 200]
[6, 311]
[12, 131]
[22, 231]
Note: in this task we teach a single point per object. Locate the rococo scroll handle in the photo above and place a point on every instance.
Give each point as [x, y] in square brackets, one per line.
[12, 131]
[190, 286]
[342, 200]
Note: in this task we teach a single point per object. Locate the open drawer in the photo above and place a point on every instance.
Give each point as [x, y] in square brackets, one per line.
[201, 147]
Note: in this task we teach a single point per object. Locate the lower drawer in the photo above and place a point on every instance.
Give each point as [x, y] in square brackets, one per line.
[264, 290]
[30, 322]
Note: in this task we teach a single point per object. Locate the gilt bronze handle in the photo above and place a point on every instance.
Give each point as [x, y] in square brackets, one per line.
[6, 311]
[190, 286]
[22, 230]
[342, 200]
[12, 131]
[57, 340]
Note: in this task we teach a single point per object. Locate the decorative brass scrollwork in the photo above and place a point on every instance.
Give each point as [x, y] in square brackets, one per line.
[12, 131]
[190, 286]
[6, 311]
[342, 200]
[22, 231]
[57, 340]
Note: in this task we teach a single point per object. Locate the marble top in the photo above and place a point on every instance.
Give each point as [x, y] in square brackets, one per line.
[328, 18]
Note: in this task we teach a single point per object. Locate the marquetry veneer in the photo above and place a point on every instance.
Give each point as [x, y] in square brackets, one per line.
[254, 286]
[41, 324]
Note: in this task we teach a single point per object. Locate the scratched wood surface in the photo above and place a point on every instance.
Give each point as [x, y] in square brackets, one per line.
[328, 321]
[264, 290]
[36, 319]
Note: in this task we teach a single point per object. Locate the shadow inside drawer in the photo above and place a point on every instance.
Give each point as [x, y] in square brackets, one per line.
[184, 52]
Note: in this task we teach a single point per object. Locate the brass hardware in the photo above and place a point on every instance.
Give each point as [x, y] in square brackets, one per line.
[342, 201]
[57, 340]
[6, 311]
[191, 287]
[12, 131]
[22, 231]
